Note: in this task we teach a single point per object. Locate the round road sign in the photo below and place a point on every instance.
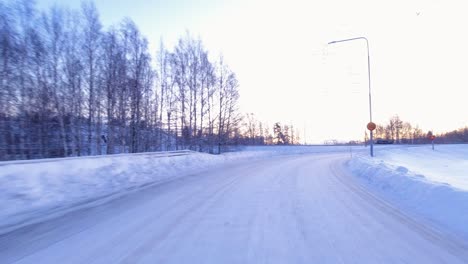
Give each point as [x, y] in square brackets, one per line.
[371, 126]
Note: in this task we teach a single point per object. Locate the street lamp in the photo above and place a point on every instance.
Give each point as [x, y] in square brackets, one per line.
[370, 98]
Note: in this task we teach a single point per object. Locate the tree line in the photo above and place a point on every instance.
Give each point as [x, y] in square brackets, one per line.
[69, 87]
[255, 132]
[401, 132]
[453, 137]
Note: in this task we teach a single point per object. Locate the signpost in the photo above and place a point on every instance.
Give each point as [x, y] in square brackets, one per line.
[432, 137]
[371, 126]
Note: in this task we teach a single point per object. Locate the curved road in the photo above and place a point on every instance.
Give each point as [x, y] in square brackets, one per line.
[301, 209]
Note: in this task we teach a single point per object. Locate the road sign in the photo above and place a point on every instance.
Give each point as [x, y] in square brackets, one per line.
[371, 126]
[432, 137]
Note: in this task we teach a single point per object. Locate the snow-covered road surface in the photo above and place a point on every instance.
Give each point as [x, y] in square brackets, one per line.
[300, 209]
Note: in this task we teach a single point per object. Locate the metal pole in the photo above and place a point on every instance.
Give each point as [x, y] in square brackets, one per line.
[370, 99]
[369, 82]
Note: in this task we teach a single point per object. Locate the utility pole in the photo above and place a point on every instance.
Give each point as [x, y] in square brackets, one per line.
[371, 124]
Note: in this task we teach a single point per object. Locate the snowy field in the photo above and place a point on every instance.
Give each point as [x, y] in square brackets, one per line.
[423, 182]
[36, 190]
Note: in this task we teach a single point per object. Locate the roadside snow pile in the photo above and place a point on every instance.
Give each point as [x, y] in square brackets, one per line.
[31, 191]
[431, 184]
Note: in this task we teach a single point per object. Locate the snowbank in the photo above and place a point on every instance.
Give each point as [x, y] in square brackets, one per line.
[31, 191]
[431, 184]
[446, 164]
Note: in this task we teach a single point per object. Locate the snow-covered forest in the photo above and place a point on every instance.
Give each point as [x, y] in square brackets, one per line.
[70, 87]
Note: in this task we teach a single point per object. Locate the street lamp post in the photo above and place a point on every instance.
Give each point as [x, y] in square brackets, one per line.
[369, 74]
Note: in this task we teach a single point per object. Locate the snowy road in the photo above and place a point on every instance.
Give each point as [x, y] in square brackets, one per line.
[301, 209]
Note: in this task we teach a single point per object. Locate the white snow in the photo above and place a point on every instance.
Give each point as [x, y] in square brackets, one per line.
[287, 209]
[278, 204]
[423, 182]
[32, 191]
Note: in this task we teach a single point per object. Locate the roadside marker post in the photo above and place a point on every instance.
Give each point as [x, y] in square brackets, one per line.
[432, 140]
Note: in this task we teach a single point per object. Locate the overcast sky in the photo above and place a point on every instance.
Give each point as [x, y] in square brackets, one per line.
[288, 73]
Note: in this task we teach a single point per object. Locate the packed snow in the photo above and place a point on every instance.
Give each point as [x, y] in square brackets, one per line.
[285, 209]
[36, 190]
[423, 182]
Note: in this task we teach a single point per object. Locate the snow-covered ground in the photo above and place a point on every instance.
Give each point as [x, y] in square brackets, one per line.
[36, 190]
[433, 184]
[32, 191]
[285, 209]
[423, 182]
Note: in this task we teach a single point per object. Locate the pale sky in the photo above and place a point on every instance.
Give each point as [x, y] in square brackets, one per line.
[288, 73]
